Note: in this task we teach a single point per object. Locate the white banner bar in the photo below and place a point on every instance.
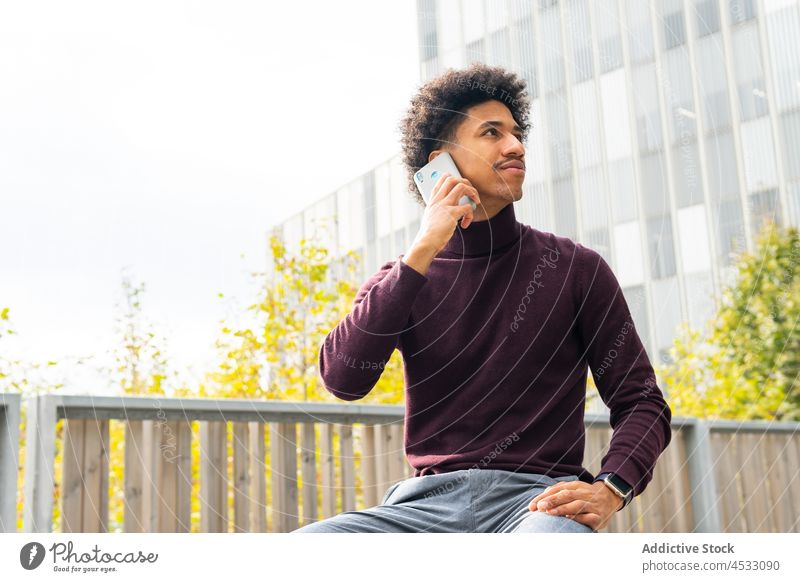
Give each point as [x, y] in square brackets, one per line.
[353, 557]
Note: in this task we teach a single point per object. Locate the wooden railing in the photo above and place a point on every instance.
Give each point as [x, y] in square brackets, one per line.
[715, 476]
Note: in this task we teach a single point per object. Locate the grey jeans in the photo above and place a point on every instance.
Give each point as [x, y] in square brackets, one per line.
[467, 500]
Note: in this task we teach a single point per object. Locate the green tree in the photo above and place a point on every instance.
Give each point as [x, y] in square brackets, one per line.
[275, 354]
[746, 363]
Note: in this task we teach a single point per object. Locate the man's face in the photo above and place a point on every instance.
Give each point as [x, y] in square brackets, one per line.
[487, 141]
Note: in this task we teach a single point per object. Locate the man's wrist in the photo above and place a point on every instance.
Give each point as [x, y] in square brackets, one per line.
[621, 488]
[420, 256]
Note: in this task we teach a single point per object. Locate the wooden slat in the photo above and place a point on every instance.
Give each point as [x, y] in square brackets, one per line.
[756, 502]
[397, 455]
[71, 476]
[725, 446]
[327, 470]
[213, 477]
[283, 450]
[241, 477]
[781, 509]
[85, 476]
[173, 455]
[134, 476]
[151, 476]
[382, 452]
[794, 481]
[372, 494]
[258, 482]
[308, 471]
[347, 461]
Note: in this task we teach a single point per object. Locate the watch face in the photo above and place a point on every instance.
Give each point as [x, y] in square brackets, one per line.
[620, 484]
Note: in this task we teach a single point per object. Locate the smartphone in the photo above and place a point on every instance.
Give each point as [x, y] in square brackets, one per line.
[429, 174]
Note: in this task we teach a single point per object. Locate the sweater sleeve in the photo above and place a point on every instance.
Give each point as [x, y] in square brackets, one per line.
[639, 415]
[353, 355]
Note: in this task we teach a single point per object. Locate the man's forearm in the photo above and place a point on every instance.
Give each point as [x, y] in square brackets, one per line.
[420, 256]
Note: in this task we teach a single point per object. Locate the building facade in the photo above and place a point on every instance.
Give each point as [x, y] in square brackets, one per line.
[664, 132]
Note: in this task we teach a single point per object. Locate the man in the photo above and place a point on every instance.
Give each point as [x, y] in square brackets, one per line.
[497, 323]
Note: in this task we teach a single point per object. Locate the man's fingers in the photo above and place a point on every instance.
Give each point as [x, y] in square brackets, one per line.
[553, 490]
[572, 508]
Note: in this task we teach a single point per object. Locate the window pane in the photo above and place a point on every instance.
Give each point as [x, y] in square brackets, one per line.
[560, 143]
[648, 119]
[564, 205]
[758, 152]
[783, 30]
[609, 43]
[713, 82]
[693, 232]
[686, 175]
[699, 294]
[628, 259]
[706, 16]
[729, 227]
[678, 97]
[593, 199]
[476, 52]
[598, 239]
[721, 161]
[500, 50]
[673, 30]
[640, 35]
[660, 247]
[522, 35]
[623, 190]
[655, 193]
[764, 206]
[616, 115]
[789, 124]
[579, 36]
[750, 87]
[637, 303]
[552, 55]
[667, 311]
[584, 109]
[742, 10]
[368, 189]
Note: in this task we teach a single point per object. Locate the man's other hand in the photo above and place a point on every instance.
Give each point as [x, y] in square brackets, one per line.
[590, 504]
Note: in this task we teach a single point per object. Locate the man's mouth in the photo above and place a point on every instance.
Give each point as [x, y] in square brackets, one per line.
[515, 168]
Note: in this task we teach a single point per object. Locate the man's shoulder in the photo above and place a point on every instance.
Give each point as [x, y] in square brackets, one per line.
[562, 246]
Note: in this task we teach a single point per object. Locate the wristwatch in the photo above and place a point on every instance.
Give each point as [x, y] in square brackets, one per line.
[617, 485]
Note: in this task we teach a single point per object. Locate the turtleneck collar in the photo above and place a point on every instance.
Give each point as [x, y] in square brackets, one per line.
[485, 236]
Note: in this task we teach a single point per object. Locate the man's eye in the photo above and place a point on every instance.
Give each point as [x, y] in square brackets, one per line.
[488, 130]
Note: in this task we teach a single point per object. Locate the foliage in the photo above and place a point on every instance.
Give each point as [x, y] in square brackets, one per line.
[275, 354]
[746, 363]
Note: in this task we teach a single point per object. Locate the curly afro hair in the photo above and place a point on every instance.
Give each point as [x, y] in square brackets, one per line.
[437, 109]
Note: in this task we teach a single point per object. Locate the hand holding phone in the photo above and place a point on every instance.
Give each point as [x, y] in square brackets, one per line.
[427, 177]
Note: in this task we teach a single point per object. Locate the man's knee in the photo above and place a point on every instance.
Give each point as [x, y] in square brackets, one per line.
[539, 522]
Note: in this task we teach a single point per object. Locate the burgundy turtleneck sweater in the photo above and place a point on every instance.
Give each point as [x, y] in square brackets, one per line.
[496, 339]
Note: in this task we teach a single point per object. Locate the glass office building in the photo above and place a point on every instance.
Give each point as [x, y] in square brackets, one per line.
[663, 133]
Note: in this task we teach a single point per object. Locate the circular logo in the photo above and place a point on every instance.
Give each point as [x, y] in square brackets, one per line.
[31, 555]
[435, 174]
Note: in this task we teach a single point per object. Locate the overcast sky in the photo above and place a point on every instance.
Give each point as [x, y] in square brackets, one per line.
[165, 138]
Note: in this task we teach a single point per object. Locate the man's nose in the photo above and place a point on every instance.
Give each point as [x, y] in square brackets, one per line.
[513, 147]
